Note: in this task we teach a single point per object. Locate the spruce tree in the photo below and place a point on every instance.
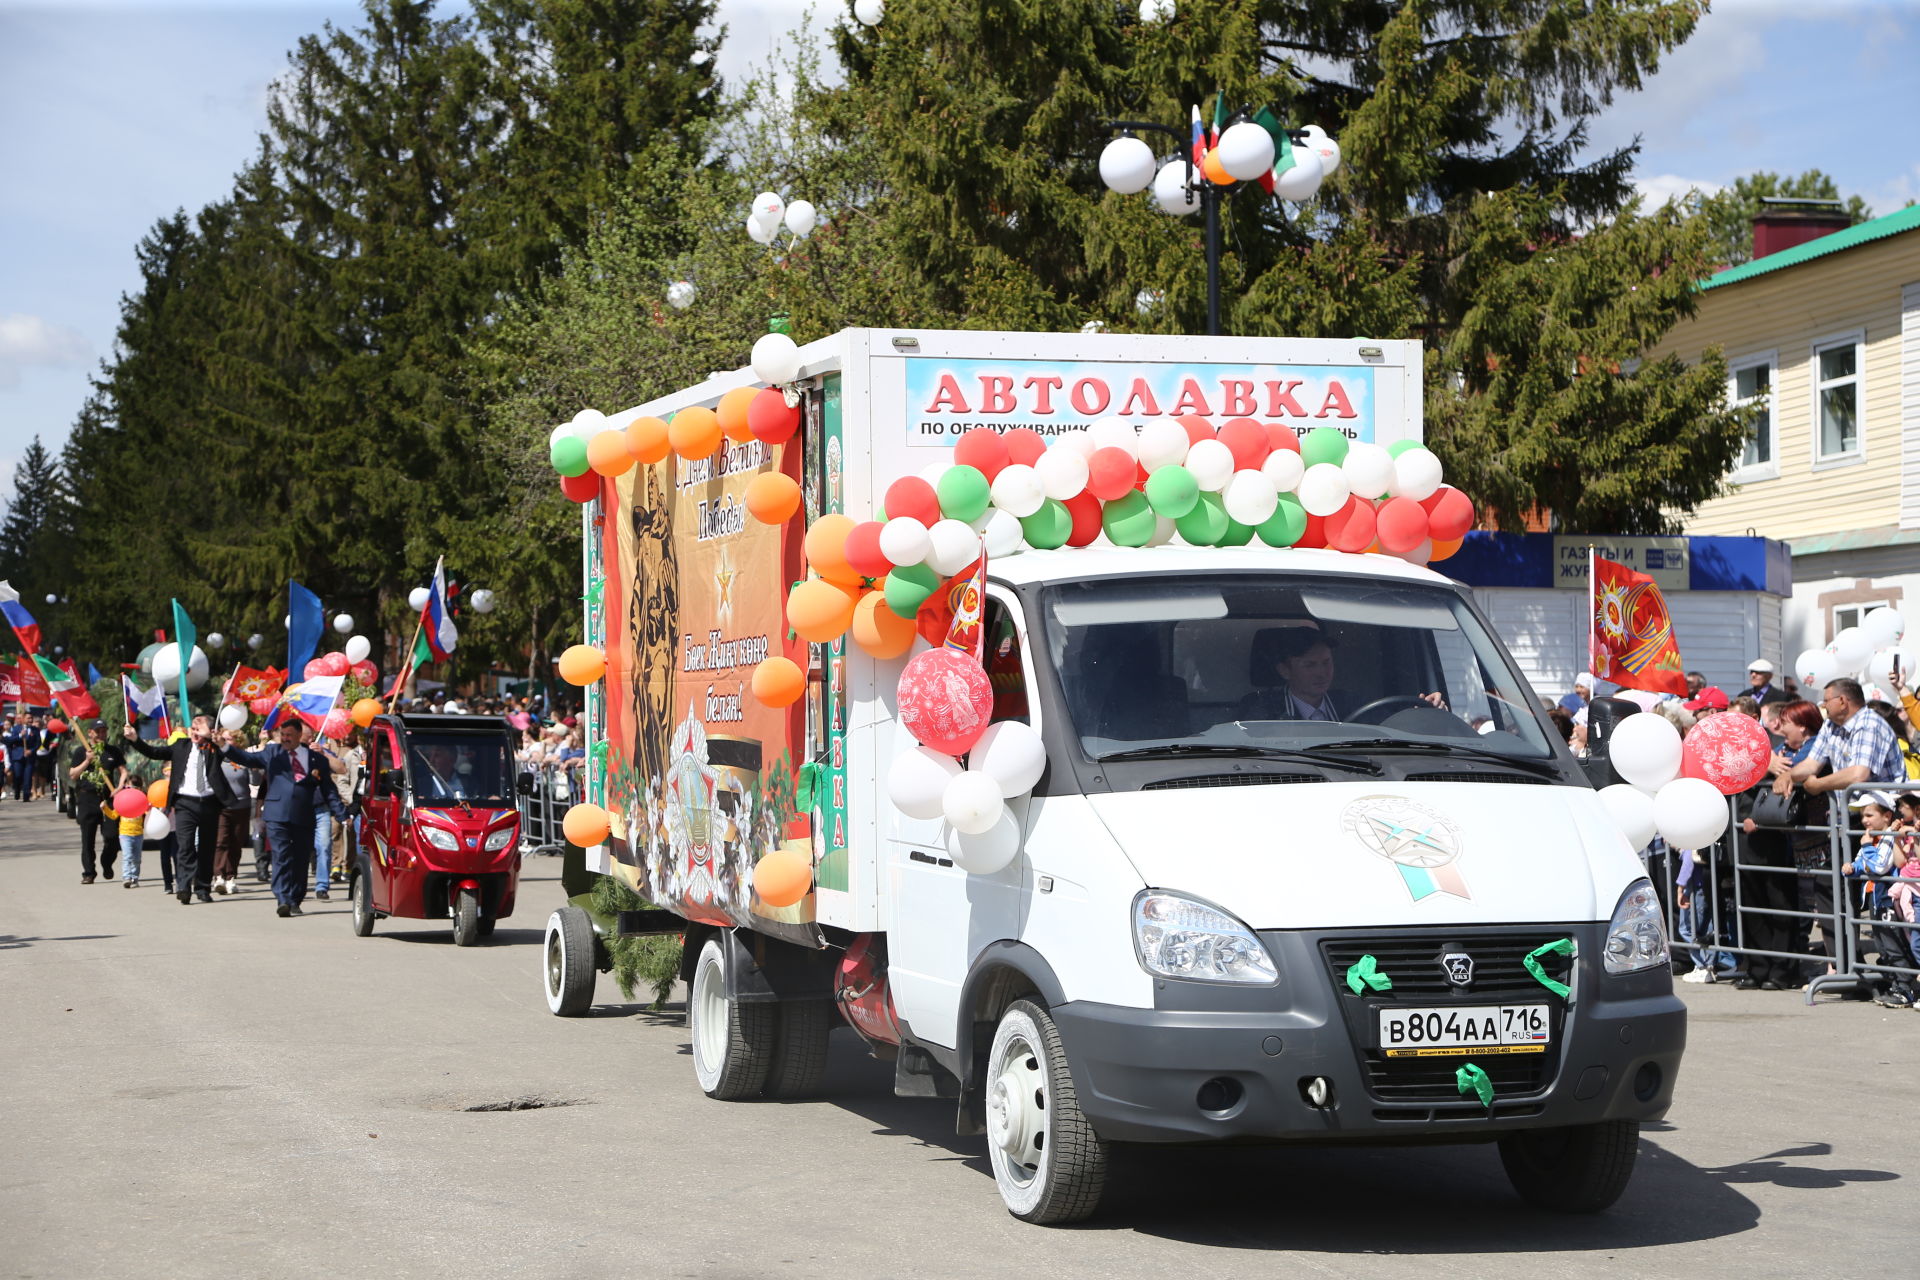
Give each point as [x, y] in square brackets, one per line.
[29, 527]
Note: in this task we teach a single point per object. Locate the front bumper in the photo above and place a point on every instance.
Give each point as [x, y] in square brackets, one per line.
[1162, 1074]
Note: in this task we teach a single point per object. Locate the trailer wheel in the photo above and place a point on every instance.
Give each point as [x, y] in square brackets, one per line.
[361, 894]
[1048, 1163]
[799, 1048]
[466, 918]
[1579, 1169]
[732, 1042]
[568, 962]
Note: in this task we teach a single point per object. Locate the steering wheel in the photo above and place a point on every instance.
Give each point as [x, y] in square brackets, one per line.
[1398, 701]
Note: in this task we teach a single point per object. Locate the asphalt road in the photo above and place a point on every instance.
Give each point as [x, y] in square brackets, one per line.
[215, 1091]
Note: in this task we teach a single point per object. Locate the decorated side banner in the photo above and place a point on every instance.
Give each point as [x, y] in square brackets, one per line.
[33, 686]
[1632, 640]
[10, 683]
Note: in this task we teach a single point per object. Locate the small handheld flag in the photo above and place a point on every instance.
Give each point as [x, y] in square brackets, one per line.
[437, 620]
[19, 619]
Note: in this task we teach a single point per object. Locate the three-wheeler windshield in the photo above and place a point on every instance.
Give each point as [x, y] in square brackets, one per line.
[450, 767]
[1281, 662]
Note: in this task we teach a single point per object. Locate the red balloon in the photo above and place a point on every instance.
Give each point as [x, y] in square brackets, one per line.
[584, 487]
[1449, 514]
[863, 553]
[1401, 524]
[1316, 534]
[1084, 509]
[1351, 528]
[335, 664]
[56, 727]
[1280, 436]
[1110, 473]
[1024, 445]
[1198, 429]
[337, 725]
[946, 700]
[131, 802]
[1247, 441]
[314, 668]
[264, 706]
[771, 418]
[366, 673]
[912, 497]
[1728, 749]
[983, 450]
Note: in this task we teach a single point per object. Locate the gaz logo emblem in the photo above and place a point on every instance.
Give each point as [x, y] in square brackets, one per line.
[1458, 966]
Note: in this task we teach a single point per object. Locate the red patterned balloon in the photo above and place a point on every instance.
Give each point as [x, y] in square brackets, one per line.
[366, 673]
[337, 725]
[946, 700]
[264, 706]
[335, 664]
[314, 669]
[1728, 749]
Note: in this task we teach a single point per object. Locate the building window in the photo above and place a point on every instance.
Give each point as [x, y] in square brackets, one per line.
[1849, 615]
[1836, 399]
[1750, 382]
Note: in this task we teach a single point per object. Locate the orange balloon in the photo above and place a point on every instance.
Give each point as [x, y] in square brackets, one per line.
[878, 630]
[1441, 550]
[779, 682]
[694, 432]
[607, 453]
[826, 547]
[782, 878]
[582, 664]
[647, 440]
[157, 794]
[365, 710]
[773, 498]
[820, 611]
[1215, 171]
[586, 825]
[732, 412]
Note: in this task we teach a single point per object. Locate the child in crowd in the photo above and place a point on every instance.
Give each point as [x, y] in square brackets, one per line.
[133, 835]
[1880, 860]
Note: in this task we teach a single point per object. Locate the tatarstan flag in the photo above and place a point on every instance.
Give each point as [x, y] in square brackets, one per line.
[66, 690]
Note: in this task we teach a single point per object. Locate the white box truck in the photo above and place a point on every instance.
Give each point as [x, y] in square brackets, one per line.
[1307, 862]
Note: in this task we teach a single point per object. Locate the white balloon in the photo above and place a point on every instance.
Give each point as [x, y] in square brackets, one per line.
[917, 781]
[343, 623]
[1126, 166]
[1163, 443]
[680, 294]
[1631, 810]
[801, 218]
[904, 541]
[216, 641]
[955, 545]
[1115, 433]
[988, 852]
[1284, 467]
[482, 600]
[1063, 471]
[759, 232]
[768, 209]
[1369, 470]
[1302, 180]
[166, 667]
[776, 359]
[1325, 147]
[1645, 750]
[870, 12]
[587, 424]
[1690, 813]
[1884, 661]
[1815, 668]
[233, 716]
[1018, 490]
[1211, 464]
[1420, 554]
[1417, 474]
[1156, 10]
[1884, 626]
[255, 640]
[1077, 440]
[1250, 497]
[357, 648]
[1170, 188]
[973, 802]
[1003, 533]
[157, 825]
[1246, 151]
[558, 434]
[1850, 650]
[1012, 754]
[1323, 489]
[417, 598]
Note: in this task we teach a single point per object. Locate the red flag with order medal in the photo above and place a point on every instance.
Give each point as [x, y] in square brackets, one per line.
[1631, 639]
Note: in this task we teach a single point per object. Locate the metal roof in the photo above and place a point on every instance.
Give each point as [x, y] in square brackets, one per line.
[1893, 224]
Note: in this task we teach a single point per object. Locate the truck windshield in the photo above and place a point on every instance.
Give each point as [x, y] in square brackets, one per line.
[1282, 662]
[459, 766]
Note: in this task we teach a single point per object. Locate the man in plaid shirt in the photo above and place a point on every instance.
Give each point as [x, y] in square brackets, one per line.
[1855, 741]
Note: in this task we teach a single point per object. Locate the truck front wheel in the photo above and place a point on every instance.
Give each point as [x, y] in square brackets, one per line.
[1048, 1163]
[1579, 1169]
[732, 1042]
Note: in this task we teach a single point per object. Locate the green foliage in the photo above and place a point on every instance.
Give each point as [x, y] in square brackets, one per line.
[1729, 212]
[652, 962]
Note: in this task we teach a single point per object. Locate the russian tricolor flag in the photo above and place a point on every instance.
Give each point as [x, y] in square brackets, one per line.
[311, 700]
[19, 619]
[436, 620]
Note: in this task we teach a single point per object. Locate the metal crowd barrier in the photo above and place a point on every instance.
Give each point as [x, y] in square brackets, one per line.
[1848, 927]
[542, 812]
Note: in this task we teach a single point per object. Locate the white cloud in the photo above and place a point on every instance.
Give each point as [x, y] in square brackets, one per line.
[28, 340]
[1656, 190]
[1899, 191]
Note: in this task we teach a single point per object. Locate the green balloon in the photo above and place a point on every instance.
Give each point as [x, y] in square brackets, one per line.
[1399, 447]
[964, 493]
[569, 456]
[1287, 523]
[1207, 523]
[1048, 527]
[1323, 444]
[1172, 491]
[1128, 520]
[909, 585]
[1237, 534]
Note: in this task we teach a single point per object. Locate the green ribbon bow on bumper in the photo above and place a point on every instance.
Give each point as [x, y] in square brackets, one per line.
[1365, 973]
[1471, 1079]
[1562, 947]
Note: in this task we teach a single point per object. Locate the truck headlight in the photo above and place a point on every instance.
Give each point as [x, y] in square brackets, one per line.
[500, 839]
[1176, 937]
[1637, 934]
[438, 838]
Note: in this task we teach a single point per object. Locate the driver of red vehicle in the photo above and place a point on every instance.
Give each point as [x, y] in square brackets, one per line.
[441, 780]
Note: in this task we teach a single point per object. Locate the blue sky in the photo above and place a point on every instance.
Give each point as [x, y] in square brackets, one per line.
[167, 99]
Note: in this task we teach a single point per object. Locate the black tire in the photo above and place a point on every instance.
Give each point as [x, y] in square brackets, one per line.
[732, 1042]
[466, 918]
[567, 962]
[360, 892]
[799, 1048]
[1048, 1163]
[1579, 1169]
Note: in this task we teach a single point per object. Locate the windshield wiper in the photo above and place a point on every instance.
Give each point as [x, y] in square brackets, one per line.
[1170, 750]
[1545, 768]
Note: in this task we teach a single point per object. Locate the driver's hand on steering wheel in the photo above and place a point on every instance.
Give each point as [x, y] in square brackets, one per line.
[1435, 699]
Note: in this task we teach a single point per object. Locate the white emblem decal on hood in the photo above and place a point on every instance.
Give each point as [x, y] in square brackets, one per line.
[1421, 844]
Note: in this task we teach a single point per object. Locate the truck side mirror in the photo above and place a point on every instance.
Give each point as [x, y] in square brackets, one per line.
[524, 783]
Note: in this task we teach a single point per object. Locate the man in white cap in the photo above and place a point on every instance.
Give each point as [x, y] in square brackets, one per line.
[1576, 702]
[1760, 686]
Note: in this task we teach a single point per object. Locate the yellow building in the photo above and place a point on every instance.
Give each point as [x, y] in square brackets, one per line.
[1825, 337]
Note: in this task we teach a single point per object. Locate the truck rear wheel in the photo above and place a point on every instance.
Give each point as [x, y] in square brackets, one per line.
[1048, 1163]
[732, 1042]
[799, 1048]
[361, 894]
[567, 962]
[1579, 1169]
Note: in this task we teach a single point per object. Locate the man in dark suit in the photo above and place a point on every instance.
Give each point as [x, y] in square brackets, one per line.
[196, 792]
[297, 781]
[1760, 685]
[22, 742]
